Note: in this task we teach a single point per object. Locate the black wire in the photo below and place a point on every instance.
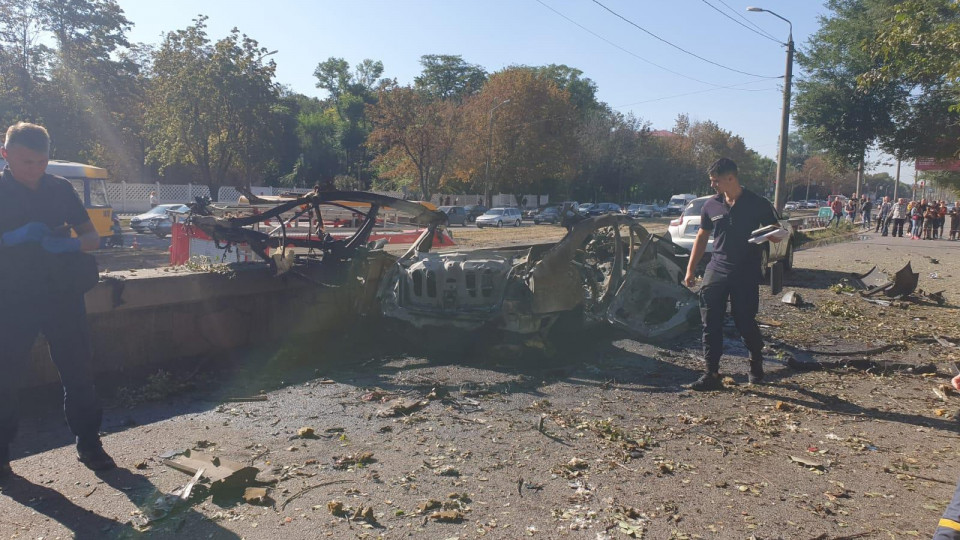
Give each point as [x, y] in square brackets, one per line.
[731, 87]
[720, 11]
[575, 114]
[679, 48]
[748, 21]
[631, 53]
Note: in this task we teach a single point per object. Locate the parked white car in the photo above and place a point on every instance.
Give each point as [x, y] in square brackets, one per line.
[498, 217]
[145, 222]
[683, 231]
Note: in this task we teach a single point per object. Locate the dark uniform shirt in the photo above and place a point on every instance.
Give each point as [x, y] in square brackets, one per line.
[26, 269]
[731, 227]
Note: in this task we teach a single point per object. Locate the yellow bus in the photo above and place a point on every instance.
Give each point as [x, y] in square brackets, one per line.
[90, 184]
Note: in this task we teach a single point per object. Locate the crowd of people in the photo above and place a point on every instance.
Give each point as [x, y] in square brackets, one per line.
[920, 219]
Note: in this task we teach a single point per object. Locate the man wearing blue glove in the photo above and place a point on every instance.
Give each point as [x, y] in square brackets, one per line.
[40, 290]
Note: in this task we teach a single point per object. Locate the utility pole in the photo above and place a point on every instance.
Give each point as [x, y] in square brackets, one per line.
[859, 177]
[897, 184]
[779, 190]
[486, 175]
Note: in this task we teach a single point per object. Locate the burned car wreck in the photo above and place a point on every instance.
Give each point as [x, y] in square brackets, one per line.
[607, 268]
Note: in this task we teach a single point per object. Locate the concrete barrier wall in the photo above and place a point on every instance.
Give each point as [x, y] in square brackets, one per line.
[148, 318]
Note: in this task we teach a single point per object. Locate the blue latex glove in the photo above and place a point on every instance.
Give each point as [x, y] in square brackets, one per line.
[31, 232]
[57, 244]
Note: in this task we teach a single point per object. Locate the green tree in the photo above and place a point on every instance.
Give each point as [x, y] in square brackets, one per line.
[917, 46]
[350, 94]
[918, 41]
[448, 76]
[211, 105]
[612, 153]
[23, 59]
[831, 108]
[582, 90]
[87, 79]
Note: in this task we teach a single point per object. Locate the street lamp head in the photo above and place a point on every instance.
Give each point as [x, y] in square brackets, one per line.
[755, 9]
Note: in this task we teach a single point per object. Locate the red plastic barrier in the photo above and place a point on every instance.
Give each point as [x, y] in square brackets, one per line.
[179, 245]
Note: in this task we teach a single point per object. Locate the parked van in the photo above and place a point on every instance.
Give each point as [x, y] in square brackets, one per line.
[90, 184]
[678, 203]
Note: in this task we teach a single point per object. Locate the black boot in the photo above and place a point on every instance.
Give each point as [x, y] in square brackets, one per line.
[756, 371]
[90, 452]
[5, 470]
[710, 380]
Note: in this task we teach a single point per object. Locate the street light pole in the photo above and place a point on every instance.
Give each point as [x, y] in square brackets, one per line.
[779, 191]
[486, 175]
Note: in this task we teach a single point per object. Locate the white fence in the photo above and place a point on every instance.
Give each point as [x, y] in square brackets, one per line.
[128, 198]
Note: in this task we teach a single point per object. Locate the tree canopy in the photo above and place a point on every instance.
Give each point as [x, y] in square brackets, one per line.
[208, 109]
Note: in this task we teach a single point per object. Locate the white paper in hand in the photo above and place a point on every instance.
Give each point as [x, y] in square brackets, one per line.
[777, 234]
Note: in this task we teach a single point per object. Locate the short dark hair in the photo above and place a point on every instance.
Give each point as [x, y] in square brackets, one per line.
[29, 136]
[722, 166]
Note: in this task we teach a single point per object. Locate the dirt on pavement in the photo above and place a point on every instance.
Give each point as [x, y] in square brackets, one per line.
[601, 441]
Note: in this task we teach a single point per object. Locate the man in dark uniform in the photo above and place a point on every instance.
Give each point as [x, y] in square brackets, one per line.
[43, 277]
[734, 269]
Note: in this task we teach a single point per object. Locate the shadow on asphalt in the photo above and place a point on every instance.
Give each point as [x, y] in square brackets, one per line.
[812, 278]
[826, 402]
[87, 525]
[592, 357]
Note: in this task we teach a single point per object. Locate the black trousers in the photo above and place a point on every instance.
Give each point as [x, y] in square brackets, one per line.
[898, 227]
[743, 292]
[63, 321]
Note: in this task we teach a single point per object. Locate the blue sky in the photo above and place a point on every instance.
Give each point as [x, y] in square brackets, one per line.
[499, 33]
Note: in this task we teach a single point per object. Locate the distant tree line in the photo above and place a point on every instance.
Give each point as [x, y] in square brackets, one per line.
[880, 74]
[195, 108]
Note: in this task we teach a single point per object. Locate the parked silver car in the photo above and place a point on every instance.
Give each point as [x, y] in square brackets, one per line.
[145, 222]
[498, 217]
[644, 210]
[683, 231]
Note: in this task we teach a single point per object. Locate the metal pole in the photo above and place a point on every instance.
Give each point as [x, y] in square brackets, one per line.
[780, 190]
[896, 185]
[486, 175]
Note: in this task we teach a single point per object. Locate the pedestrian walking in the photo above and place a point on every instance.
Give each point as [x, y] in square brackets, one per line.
[153, 199]
[43, 277]
[837, 207]
[733, 273]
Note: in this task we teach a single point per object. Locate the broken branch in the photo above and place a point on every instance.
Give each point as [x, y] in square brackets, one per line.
[308, 489]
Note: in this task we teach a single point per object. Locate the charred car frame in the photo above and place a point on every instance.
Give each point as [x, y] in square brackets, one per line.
[607, 268]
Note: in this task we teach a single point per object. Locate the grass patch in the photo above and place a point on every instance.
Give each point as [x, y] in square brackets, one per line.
[845, 229]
